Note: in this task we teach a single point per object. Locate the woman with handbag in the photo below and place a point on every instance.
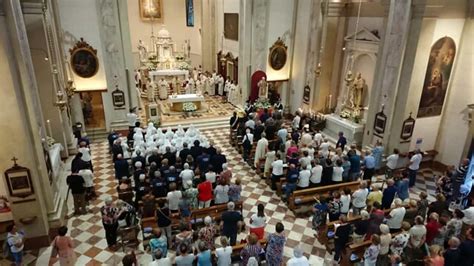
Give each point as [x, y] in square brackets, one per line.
[63, 247]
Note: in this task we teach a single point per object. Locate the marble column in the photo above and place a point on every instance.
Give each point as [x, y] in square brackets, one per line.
[209, 51]
[26, 126]
[245, 44]
[57, 58]
[258, 49]
[114, 63]
[394, 57]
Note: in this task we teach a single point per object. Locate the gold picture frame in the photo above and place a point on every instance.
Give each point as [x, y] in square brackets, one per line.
[84, 60]
[151, 10]
[278, 55]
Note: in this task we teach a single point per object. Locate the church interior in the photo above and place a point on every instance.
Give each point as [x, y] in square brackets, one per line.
[237, 132]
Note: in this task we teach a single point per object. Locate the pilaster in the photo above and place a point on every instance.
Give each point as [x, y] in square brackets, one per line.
[208, 45]
[25, 127]
[114, 62]
[245, 44]
[394, 56]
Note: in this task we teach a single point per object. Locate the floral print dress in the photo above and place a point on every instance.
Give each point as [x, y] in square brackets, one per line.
[191, 195]
[274, 253]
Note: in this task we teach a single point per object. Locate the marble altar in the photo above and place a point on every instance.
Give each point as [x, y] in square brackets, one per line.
[352, 131]
[177, 101]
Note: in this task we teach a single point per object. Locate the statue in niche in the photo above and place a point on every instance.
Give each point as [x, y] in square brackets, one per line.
[142, 51]
[357, 90]
[262, 88]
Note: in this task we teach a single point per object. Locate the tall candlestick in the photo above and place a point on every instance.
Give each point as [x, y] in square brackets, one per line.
[48, 127]
[330, 99]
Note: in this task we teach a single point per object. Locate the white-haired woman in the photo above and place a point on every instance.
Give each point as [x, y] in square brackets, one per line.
[110, 215]
[385, 240]
[208, 232]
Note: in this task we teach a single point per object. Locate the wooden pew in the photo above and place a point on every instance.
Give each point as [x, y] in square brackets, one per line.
[306, 196]
[215, 212]
[359, 248]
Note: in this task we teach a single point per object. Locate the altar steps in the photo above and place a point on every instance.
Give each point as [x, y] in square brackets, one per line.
[201, 124]
[97, 134]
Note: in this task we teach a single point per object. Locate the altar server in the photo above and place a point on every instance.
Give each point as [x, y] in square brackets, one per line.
[261, 149]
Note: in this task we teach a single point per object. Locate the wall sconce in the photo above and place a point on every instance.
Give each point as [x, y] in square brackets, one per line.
[70, 88]
[318, 70]
[60, 101]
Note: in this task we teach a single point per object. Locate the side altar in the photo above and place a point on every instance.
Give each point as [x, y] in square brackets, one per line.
[352, 131]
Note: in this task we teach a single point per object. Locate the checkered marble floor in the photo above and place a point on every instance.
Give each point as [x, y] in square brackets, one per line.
[89, 235]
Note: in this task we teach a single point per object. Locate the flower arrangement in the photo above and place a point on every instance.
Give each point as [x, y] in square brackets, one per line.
[262, 103]
[182, 65]
[189, 107]
[351, 115]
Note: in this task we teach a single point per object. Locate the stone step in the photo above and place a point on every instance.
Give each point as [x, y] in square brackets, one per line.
[96, 134]
[203, 124]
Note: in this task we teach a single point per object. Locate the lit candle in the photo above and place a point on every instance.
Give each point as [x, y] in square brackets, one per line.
[330, 99]
[48, 127]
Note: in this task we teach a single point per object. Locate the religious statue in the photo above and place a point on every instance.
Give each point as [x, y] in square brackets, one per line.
[142, 53]
[163, 91]
[262, 88]
[357, 90]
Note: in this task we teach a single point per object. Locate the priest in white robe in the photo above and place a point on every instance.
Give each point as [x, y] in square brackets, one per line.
[199, 86]
[164, 86]
[261, 150]
[150, 90]
[212, 86]
[220, 85]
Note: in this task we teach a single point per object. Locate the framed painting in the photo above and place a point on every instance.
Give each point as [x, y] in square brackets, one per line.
[118, 99]
[19, 181]
[189, 13]
[379, 124]
[231, 26]
[278, 55]
[438, 72]
[84, 61]
[407, 129]
[151, 10]
[306, 94]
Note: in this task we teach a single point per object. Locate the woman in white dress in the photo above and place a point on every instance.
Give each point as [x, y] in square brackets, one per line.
[269, 159]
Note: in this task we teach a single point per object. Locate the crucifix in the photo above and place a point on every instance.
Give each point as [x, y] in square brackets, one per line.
[14, 159]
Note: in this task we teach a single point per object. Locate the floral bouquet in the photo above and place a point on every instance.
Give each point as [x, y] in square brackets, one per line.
[262, 103]
[182, 65]
[189, 107]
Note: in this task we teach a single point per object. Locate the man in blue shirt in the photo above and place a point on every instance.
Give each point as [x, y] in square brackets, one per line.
[341, 142]
[354, 170]
[291, 179]
[203, 161]
[229, 221]
[369, 165]
[388, 194]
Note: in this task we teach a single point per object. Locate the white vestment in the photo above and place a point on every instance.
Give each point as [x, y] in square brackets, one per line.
[164, 86]
[220, 87]
[139, 98]
[261, 150]
[150, 90]
[212, 84]
[199, 86]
